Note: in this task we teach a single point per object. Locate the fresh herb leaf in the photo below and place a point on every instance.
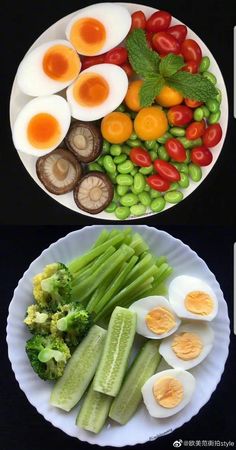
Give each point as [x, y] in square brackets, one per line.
[193, 86]
[144, 61]
[170, 64]
[151, 87]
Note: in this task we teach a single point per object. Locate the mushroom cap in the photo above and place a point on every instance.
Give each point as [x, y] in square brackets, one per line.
[94, 192]
[84, 139]
[59, 171]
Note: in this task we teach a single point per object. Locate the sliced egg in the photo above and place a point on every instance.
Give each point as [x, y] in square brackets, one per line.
[41, 125]
[97, 91]
[192, 298]
[188, 346]
[167, 392]
[48, 68]
[98, 28]
[155, 317]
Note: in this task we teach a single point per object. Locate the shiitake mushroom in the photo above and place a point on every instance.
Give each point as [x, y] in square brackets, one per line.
[94, 192]
[84, 139]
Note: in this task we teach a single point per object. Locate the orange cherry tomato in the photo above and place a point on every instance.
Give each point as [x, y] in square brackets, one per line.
[192, 103]
[195, 130]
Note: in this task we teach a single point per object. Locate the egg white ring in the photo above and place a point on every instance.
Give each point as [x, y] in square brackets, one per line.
[205, 333]
[118, 85]
[188, 284]
[142, 308]
[52, 104]
[115, 18]
[31, 78]
[155, 410]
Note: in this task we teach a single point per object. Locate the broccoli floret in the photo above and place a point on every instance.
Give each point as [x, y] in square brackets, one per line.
[37, 320]
[72, 323]
[48, 356]
[52, 287]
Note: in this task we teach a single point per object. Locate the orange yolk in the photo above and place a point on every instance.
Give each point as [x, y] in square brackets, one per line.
[199, 302]
[61, 63]
[160, 320]
[91, 89]
[187, 346]
[88, 35]
[43, 131]
[168, 392]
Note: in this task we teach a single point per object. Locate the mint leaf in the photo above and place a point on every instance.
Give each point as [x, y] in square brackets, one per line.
[193, 86]
[151, 87]
[143, 60]
[170, 64]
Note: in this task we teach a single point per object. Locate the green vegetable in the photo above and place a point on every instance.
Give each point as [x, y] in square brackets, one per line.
[134, 142]
[138, 210]
[111, 207]
[212, 105]
[115, 150]
[122, 212]
[164, 138]
[158, 204]
[113, 363]
[173, 196]
[145, 198]
[120, 159]
[194, 86]
[153, 155]
[125, 167]
[146, 170]
[198, 114]
[109, 165]
[105, 146]
[206, 111]
[38, 320]
[139, 183]
[211, 78]
[214, 117]
[184, 180]
[129, 199]
[79, 371]
[195, 172]
[124, 179]
[162, 153]
[204, 64]
[95, 167]
[150, 145]
[122, 190]
[177, 131]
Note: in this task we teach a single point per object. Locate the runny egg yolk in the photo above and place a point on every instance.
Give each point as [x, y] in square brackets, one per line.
[187, 346]
[90, 89]
[199, 302]
[43, 131]
[168, 392]
[160, 320]
[88, 35]
[61, 63]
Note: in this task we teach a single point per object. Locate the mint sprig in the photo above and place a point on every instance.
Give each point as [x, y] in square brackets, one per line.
[170, 64]
[143, 60]
[151, 87]
[193, 86]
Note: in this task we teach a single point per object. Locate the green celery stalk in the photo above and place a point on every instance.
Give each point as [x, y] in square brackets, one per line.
[103, 237]
[138, 244]
[140, 268]
[95, 265]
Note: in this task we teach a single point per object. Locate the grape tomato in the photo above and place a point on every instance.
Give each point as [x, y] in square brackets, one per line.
[195, 130]
[159, 21]
[164, 43]
[140, 157]
[191, 51]
[117, 56]
[179, 115]
[166, 170]
[158, 183]
[175, 150]
[201, 156]
[179, 32]
[138, 20]
[212, 135]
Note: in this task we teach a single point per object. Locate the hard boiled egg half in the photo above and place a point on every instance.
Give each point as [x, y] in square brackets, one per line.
[155, 317]
[192, 298]
[188, 346]
[41, 125]
[48, 68]
[98, 28]
[167, 392]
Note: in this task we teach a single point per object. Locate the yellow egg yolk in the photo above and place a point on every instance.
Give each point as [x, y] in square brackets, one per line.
[168, 392]
[90, 89]
[160, 320]
[187, 346]
[88, 35]
[199, 302]
[43, 131]
[61, 63]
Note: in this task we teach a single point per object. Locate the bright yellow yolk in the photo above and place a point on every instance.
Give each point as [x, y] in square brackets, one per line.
[160, 320]
[90, 89]
[61, 63]
[187, 346]
[88, 35]
[168, 392]
[43, 131]
[199, 302]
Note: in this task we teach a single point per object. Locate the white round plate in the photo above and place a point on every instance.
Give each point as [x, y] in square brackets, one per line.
[18, 100]
[142, 427]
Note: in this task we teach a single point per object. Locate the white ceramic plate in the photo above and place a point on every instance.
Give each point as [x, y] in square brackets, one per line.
[142, 427]
[18, 100]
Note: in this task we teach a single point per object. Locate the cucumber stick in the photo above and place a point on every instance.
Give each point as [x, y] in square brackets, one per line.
[118, 343]
[94, 411]
[79, 371]
[144, 366]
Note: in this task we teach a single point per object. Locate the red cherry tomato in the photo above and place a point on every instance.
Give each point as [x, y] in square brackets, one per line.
[175, 150]
[212, 135]
[179, 115]
[89, 61]
[195, 130]
[156, 182]
[192, 103]
[164, 43]
[166, 170]
[179, 32]
[191, 67]
[201, 156]
[116, 56]
[140, 157]
[149, 37]
[158, 21]
[191, 51]
[128, 69]
[138, 20]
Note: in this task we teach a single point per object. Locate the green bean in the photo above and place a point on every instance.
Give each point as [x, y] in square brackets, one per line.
[213, 105]
[129, 199]
[162, 153]
[173, 197]
[186, 142]
[125, 167]
[121, 108]
[134, 171]
[125, 149]
[134, 143]
[146, 170]
[198, 114]
[204, 64]
[138, 210]
[139, 183]
[105, 146]
[153, 155]
[210, 76]
[122, 190]
[184, 180]
[150, 144]
[145, 198]
[111, 207]
[206, 111]
[158, 204]
[115, 150]
[195, 172]
[122, 212]
[219, 95]
[177, 131]
[120, 159]
[154, 193]
[124, 180]
[133, 136]
[108, 164]
[93, 166]
[164, 138]
[214, 117]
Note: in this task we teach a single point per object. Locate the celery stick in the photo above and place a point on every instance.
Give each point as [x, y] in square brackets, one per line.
[140, 268]
[95, 265]
[160, 260]
[156, 289]
[139, 293]
[165, 274]
[138, 244]
[103, 237]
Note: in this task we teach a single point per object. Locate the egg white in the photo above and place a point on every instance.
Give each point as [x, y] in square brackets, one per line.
[155, 410]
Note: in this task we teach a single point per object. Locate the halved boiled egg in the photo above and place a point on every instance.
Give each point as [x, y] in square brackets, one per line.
[97, 91]
[48, 68]
[167, 392]
[41, 125]
[192, 298]
[155, 317]
[98, 28]
[188, 346]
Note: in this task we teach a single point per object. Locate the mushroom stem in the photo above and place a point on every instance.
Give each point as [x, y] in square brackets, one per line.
[61, 168]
